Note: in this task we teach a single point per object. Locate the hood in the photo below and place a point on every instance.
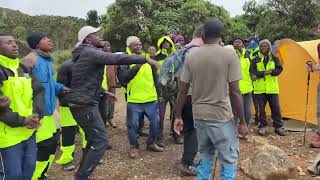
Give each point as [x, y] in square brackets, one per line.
[164, 51]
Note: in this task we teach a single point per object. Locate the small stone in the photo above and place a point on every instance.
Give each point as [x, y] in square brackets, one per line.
[299, 169]
[302, 173]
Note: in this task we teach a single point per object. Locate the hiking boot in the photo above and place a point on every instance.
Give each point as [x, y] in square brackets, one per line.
[112, 123]
[160, 142]
[315, 143]
[262, 131]
[279, 131]
[154, 147]
[178, 140]
[133, 152]
[188, 170]
[143, 134]
[69, 166]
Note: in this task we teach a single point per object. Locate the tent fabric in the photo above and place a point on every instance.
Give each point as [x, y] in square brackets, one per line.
[293, 80]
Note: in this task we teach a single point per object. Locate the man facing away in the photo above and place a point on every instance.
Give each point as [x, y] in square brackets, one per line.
[214, 72]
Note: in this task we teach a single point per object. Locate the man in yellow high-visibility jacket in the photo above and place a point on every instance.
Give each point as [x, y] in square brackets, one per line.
[245, 84]
[20, 110]
[142, 98]
[266, 68]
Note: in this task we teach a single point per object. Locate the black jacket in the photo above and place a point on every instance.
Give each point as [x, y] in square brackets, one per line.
[88, 70]
[13, 119]
[64, 76]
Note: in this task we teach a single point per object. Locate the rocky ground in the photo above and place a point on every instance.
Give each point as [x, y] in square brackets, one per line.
[164, 166]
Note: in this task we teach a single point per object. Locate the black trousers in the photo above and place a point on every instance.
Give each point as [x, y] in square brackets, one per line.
[68, 135]
[190, 146]
[45, 149]
[103, 109]
[256, 107]
[89, 119]
[273, 100]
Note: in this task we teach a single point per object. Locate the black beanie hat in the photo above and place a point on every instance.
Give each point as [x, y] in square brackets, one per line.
[34, 38]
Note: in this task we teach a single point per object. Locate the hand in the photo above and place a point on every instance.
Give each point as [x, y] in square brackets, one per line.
[267, 72]
[154, 63]
[32, 122]
[111, 96]
[243, 130]
[4, 101]
[178, 125]
[65, 89]
[254, 77]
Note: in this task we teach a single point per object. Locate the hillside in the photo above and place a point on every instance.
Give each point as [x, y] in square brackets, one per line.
[62, 30]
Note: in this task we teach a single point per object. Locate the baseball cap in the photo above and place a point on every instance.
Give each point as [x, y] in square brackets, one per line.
[86, 31]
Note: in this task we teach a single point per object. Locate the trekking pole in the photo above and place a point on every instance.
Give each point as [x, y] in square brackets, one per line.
[309, 63]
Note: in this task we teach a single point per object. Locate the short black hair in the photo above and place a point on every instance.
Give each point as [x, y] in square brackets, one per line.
[213, 28]
[238, 38]
[199, 32]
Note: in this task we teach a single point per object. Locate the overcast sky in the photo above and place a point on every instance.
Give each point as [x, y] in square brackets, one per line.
[79, 8]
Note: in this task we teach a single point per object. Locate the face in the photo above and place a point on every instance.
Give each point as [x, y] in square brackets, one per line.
[166, 45]
[136, 47]
[264, 48]
[152, 51]
[8, 47]
[106, 46]
[238, 44]
[178, 45]
[95, 39]
[45, 44]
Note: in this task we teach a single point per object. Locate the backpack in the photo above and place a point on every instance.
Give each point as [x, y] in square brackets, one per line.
[171, 70]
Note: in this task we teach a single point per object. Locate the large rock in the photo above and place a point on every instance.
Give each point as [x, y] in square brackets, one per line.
[257, 140]
[267, 163]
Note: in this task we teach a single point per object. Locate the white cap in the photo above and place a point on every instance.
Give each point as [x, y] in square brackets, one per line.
[86, 31]
[132, 39]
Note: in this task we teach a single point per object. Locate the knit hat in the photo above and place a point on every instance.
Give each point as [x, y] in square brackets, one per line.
[34, 38]
[132, 39]
[266, 41]
[178, 38]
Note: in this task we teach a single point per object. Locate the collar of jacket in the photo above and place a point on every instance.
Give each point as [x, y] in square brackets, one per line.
[42, 54]
[9, 63]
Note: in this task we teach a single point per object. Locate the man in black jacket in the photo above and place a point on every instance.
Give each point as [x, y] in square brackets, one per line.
[87, 76]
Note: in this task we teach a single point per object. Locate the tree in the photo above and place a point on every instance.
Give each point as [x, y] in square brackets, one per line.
[278, 19]
[152, 19]
[93, 18]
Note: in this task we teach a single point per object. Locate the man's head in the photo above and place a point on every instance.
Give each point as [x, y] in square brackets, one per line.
[40, 41]
[90, 35]
[238, 44]
[106, 46]
[8, 46]
[134, 44]
[152, 51]
[178, 45]
[265, 46]
[166, 45]
[213, 29]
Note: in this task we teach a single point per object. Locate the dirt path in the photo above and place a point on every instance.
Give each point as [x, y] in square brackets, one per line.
[163, 166]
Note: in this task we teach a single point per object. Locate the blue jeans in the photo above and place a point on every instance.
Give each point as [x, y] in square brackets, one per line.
[247, 103]
[220, 139]
[18, 162]
[134, 113]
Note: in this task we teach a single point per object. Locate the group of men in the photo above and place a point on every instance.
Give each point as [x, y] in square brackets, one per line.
[216, 88]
